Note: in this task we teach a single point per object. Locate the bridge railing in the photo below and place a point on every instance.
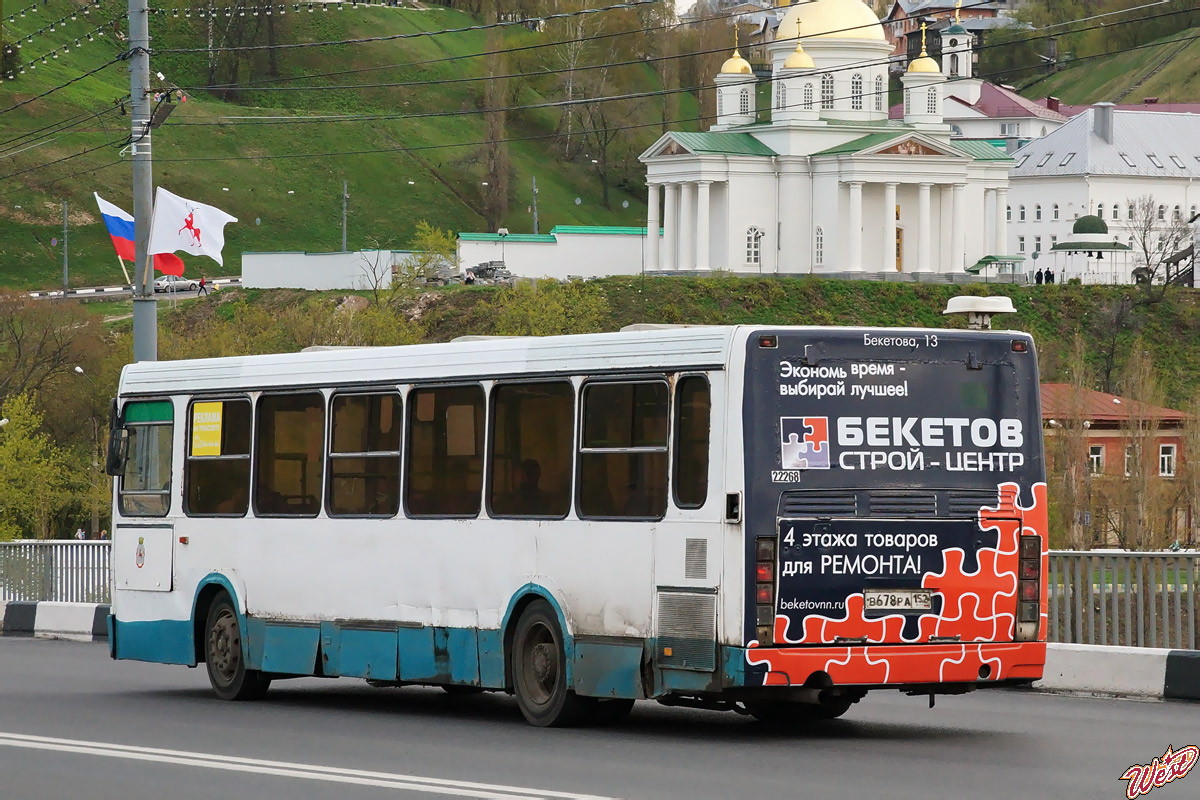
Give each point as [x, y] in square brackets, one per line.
[1096, 597]
[1122, 598]
[59, 571]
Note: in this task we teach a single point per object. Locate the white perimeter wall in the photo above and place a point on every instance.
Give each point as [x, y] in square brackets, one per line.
[583, 255]
[349, 270]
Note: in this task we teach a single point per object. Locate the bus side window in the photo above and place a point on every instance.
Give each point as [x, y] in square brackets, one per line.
[289, 451]
[364, 455]
[623, 453]
[692, 406]
[530, 451]
[145, 486]
[444, 465]
[217, 476]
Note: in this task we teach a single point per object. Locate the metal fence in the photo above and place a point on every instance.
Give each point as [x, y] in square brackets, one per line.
[1130, 599]
[60, 571]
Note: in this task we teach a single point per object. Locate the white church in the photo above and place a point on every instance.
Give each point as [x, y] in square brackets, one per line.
[830, 184]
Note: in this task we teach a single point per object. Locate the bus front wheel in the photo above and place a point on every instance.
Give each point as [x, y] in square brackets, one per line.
[223, 656]
[539, 670]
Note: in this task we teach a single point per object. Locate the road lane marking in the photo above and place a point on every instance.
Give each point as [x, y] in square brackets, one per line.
[288, 769]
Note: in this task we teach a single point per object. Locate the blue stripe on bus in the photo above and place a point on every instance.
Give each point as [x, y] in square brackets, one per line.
[287, 649]
[609, 669]
[164, 641]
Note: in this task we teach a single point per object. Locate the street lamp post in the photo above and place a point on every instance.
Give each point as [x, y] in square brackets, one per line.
[503, 233]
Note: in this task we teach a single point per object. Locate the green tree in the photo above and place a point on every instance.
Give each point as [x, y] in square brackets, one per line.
[34, 484]
[547, 308]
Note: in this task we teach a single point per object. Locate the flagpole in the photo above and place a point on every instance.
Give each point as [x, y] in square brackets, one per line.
[145, 309]
[121, 261]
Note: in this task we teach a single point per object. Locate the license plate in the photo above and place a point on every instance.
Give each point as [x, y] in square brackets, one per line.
[898, 599]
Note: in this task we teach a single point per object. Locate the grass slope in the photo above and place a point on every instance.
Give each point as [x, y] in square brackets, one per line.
[285, 203]
[1099, 79]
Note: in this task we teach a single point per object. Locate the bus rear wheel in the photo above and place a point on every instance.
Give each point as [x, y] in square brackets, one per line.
[223, 656]
[539, 670]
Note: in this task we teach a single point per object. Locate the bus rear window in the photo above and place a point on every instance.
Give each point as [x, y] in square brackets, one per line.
[217, 478]
[287, 479]
[364, 455]
[692, 403]
[445, 452]
[623, 457]
[145, 489]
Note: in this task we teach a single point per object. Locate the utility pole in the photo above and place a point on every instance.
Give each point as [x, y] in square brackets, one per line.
[535, 219]
[64, 294]
[345, 197]
[145, 309]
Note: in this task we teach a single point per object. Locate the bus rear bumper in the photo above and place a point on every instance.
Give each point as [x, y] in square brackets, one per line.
[900, 665]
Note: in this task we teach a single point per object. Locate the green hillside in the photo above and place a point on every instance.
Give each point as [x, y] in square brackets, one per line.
[1168, 70]
[294, 203]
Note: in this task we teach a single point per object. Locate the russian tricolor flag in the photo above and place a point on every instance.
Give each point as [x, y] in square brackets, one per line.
[120, 228]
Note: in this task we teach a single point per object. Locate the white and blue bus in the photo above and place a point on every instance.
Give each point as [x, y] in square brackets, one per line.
[773, 520]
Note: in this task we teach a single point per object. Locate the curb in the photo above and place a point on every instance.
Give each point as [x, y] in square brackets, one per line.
[75, 620]
[1143, 672]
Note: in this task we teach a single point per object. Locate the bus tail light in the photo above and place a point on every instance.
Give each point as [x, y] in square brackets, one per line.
[1029, 589]
[764, 589]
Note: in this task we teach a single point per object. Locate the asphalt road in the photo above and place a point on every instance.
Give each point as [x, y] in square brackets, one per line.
[74, 724]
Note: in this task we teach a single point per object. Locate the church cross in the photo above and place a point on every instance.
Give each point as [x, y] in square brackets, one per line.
[957, 7]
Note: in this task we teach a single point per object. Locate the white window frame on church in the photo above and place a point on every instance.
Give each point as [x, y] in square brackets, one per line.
[953, 64]
[808, 97]
[931, 104]
[1037, 212]
[1116, 212]
[1055, 212]
[826, 91]
[856, 91]
[879, 92]
[744, 101]
[754, 236]
[818, 246]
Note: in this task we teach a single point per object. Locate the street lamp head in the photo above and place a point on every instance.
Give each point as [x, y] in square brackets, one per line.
[502, 232]
[79, 370]
[3, 422]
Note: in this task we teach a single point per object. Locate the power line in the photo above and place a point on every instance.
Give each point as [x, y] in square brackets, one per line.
[59, 127]
[338, 118]
[614, 128]
[583, 132]
[525, 22]
[76, 79]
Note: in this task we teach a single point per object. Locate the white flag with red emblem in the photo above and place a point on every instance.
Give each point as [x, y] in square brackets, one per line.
[185, 226]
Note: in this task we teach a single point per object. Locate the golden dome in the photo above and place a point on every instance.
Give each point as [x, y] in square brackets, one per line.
[923, 64]
[830, 19]
[736, 65]
[799, 59]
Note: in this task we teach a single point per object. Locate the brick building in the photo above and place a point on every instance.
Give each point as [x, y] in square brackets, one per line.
[1092, 444]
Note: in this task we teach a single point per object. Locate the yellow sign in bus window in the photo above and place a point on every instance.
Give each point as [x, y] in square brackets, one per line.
[206, 429]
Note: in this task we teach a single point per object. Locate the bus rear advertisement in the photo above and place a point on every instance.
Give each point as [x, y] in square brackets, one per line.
[896, 509]
[769, 520]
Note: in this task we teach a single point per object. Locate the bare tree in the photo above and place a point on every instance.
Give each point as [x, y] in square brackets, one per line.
[1159, 231]
[1188, 467]
[1141, 504]
[1071, 475]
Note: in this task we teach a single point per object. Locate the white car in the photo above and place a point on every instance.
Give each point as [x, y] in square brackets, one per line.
[173, 283]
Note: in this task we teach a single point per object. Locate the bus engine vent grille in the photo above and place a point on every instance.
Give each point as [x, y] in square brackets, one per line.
[967, 502]
[695, 559]
[687, 630]
[820, 504]
[903, 504]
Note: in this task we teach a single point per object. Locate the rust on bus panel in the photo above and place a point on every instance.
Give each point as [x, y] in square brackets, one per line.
[984, 629]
